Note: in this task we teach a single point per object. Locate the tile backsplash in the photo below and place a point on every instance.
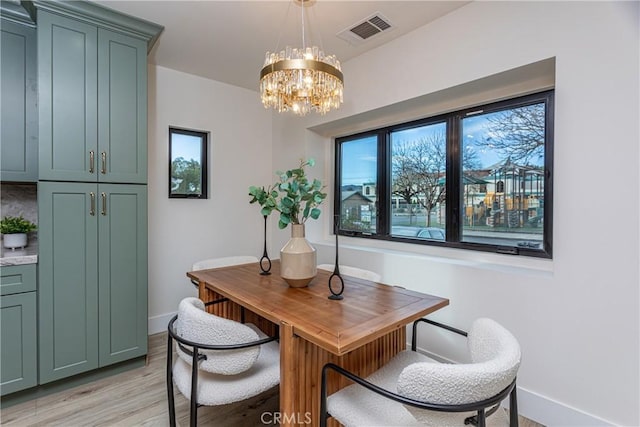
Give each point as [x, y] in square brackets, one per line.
[19, 199]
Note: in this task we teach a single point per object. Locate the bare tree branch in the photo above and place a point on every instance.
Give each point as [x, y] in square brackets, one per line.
[417, 167]
[518, 133]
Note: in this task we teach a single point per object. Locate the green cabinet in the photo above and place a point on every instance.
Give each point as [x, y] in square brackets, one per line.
[122, 272]
[93, 269]
[18, 330]
[122, 108]
[92, 197]
[18, 111]
[93, 102]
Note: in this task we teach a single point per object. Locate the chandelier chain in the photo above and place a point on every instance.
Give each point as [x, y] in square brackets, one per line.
[282, 26]
[304, 45]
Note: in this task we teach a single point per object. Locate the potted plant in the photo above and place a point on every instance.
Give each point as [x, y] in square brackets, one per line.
[296, 198]
[15, 229]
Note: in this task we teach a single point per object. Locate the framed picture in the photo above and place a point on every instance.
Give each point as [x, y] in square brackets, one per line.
[188, 168]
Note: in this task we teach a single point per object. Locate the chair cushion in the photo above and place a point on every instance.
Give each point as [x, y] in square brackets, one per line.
[495, 356]
[356, 406]
[215, 389]
[488, 340]
[196, 325]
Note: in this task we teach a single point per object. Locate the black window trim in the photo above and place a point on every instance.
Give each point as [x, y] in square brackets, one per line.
[453, 166]
[204, 161]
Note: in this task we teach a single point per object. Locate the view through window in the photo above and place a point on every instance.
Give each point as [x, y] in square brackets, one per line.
[188, 163]
[473, 179]
[359, 184]
[503, 177]
[418, 164]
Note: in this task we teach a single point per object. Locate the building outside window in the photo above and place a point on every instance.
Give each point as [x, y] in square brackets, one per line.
[478, 178]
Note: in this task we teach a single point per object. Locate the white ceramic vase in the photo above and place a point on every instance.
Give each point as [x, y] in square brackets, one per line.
[298, 259]
[14, 240]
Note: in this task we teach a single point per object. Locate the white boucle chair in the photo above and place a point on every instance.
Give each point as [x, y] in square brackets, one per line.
[220, 361]
[353, 271]
[414, 390]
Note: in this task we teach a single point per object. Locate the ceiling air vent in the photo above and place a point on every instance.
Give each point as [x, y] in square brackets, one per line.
[365, 29]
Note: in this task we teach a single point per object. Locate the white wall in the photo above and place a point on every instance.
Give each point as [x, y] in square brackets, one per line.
[577, 315]
[183, 231]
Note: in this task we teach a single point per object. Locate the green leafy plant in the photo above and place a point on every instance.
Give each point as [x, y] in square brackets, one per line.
[16, 224]
[293, 195]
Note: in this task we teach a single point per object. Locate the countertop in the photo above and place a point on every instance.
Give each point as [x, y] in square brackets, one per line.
[28, 255]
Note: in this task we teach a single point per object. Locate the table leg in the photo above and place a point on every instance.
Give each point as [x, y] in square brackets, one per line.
[301, 363]
[288, 376]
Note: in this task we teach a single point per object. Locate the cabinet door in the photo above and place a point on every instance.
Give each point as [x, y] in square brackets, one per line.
[122, 267]
[18, 112]
[67, 80]
[122, 108]
[18, 342]
[68, 286]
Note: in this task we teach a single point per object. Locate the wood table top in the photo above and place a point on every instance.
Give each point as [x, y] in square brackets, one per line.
[368, 311]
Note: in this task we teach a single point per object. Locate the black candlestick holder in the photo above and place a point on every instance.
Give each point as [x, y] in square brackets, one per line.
[335, 276]
[265, 256]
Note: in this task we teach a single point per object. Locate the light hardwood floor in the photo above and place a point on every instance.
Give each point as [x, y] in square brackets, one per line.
[138, 398]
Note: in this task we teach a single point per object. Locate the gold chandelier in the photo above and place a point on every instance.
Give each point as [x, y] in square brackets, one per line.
[301, 80]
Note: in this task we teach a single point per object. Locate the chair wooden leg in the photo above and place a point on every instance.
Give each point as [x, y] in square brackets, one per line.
[170, 398]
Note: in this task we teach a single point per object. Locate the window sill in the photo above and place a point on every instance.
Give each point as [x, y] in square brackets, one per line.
[542, 267]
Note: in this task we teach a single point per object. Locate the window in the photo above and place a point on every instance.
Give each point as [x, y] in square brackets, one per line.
[478, 179]
[188, 163]
[358, 170]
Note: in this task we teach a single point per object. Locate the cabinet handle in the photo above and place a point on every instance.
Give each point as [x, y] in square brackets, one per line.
[92, 161]
[104, 204]
[92, 209]
[104, 162]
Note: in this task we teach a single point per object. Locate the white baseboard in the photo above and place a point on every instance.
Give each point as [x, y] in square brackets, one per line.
[549, 412]
[541, 409]
[158, 324]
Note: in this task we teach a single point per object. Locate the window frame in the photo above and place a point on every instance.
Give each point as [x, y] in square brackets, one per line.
[204, 137]
[453, 169]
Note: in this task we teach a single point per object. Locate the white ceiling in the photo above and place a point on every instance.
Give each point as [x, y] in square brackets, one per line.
[227, 40]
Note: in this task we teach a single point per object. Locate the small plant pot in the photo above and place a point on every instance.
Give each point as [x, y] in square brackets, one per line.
[16, 240]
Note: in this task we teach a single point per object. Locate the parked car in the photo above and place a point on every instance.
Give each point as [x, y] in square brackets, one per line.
[432, 233]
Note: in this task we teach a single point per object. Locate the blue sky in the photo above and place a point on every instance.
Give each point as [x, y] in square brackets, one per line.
[473, 131]
[186, 146]
[417, 133]
[360, 156]
[359, 161]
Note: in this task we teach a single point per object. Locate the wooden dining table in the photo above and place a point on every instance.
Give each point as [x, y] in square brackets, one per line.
[361, 332]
